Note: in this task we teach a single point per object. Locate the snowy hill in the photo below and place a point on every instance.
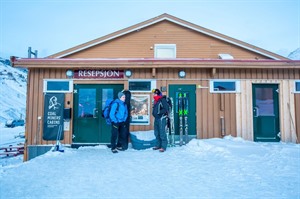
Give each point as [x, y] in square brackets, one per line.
[12, 92]
[295, 55]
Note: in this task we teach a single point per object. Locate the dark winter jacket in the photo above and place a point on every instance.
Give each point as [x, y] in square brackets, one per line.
[118, 112]
[160, 108]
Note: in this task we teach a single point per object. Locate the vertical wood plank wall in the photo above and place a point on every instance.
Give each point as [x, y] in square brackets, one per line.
[234, 108]
[244, 113]
[286, 109]
[297, 113]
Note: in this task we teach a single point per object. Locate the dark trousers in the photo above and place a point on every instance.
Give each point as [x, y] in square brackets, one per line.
[160, 132]
[118, 135]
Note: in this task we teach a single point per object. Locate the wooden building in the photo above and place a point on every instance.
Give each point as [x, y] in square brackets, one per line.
[234, 88]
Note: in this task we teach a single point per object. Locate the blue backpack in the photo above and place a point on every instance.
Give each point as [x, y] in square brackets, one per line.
[106, 110]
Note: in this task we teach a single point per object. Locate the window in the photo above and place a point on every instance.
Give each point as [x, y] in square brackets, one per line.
[141, 85]
[165, 50]
[297, 86]
[58, 86]
[224, 86]
[225, 56]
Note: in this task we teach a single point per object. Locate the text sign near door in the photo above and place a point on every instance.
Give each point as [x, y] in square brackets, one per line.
[99, 74]
[53, 115]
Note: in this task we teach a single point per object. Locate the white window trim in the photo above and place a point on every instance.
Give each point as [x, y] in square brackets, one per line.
[58, 80]
[237, 85]
[165, 46]
[295, 91]
[153, 85]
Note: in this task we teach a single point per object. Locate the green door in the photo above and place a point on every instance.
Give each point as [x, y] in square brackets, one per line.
[89, 100]
[265, 112]
[190, 92]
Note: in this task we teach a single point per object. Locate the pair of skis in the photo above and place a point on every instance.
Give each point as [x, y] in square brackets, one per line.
[183, 110]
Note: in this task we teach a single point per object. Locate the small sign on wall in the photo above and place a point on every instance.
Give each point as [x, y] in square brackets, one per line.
[67, 125]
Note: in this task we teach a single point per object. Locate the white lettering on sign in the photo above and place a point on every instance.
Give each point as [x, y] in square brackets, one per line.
[98, 74]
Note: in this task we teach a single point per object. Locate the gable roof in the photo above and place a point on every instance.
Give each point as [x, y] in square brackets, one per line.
[172, 19]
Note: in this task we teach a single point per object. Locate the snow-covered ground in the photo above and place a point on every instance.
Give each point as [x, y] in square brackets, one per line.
[209, 168]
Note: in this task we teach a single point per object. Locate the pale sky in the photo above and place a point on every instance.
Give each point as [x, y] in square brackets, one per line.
[51, 26]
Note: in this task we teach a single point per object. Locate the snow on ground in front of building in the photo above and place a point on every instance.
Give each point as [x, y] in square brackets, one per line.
[207, 168]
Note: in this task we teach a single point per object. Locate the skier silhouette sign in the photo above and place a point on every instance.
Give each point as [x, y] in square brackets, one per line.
[53, 115]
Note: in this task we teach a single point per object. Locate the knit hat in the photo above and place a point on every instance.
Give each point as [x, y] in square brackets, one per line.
[120, 94]
[156, 91]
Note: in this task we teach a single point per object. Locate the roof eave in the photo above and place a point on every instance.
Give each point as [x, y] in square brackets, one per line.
[153, 63]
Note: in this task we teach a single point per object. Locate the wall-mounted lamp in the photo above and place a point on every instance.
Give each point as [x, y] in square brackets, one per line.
[128, 73]
[181, 74]
[69, 73]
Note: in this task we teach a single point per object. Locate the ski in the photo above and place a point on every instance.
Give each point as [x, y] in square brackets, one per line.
[185, 113]
[172, 128]
[167, 129]
[180, 114]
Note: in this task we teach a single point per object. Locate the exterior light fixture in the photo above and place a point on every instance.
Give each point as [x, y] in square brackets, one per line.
[69, 73]
[181, 74]
[128, 73]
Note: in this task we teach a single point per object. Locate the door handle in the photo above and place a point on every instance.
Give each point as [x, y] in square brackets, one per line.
[95, 113]
[256, 111]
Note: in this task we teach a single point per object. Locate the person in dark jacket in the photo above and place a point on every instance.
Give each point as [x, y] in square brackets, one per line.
[127, 122]
[118, 115]
[159, 112]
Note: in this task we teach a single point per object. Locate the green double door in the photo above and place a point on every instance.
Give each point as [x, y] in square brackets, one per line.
[190, 93]
[88, 125]
[266, 112]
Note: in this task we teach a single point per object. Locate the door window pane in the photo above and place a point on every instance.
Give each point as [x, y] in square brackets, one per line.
[87, 102]
[264, 101]
[107, 94]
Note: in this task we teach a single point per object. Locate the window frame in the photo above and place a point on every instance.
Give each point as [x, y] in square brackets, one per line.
[152, 85]
[237, 85]
[165, 46]
[45, 84]
[295, 90]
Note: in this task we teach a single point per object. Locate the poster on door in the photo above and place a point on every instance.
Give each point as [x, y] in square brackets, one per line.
[53, 116]
[140, 109]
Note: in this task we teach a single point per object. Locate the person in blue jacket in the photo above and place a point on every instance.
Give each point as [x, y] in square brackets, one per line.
[118, 115]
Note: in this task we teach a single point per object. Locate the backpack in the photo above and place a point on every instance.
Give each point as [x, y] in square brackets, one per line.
[169, 102]
[106, 110]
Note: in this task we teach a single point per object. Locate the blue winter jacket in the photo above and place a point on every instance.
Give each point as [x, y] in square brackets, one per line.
[118, 112]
